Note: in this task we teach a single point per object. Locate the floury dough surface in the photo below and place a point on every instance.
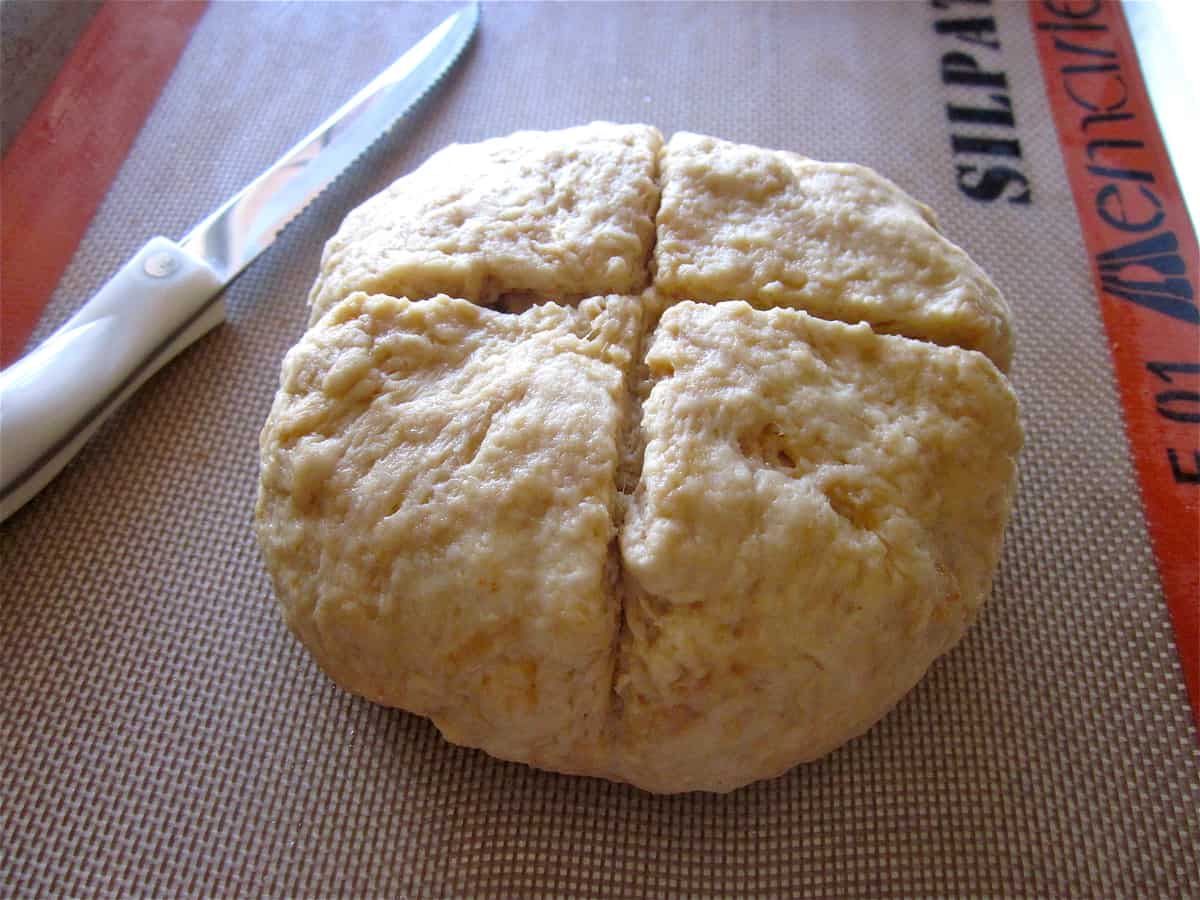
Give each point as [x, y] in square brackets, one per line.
[438, 504]
[557, 214]
[681, 544]
[819, 514]
[834, 239]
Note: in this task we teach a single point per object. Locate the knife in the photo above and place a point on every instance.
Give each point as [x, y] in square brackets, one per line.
[169, 294]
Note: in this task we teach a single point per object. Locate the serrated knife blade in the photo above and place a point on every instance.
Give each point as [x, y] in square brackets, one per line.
[169, 294]
[248, 222]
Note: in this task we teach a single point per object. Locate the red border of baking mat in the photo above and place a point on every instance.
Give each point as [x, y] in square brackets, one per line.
[61, 164]
[1143, 255]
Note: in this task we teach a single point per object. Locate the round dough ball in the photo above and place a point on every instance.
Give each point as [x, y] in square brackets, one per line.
[672, 464]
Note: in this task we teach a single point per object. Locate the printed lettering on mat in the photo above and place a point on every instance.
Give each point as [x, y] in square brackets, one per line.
[1144, 257]
[988, 164]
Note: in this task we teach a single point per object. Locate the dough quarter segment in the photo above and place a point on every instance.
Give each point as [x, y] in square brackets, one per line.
[819, 515]
[437, 505]
[774, 441]
[566, 214]
[834, 239]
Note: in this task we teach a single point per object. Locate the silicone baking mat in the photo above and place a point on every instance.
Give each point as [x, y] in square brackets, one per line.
[162, 734]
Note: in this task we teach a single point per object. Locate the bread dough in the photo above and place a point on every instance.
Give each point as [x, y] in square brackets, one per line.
[554, 214]
[437, 508]
[836, 240]
[819, 514]
[681, 544]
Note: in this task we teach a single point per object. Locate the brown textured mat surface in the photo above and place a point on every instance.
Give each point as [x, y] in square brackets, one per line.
[162, 734]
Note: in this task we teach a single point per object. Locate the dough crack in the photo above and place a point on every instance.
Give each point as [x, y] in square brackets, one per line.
[630, 450]
[648, 260]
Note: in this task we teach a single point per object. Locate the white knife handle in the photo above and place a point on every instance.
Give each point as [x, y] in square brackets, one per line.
[53, 400]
